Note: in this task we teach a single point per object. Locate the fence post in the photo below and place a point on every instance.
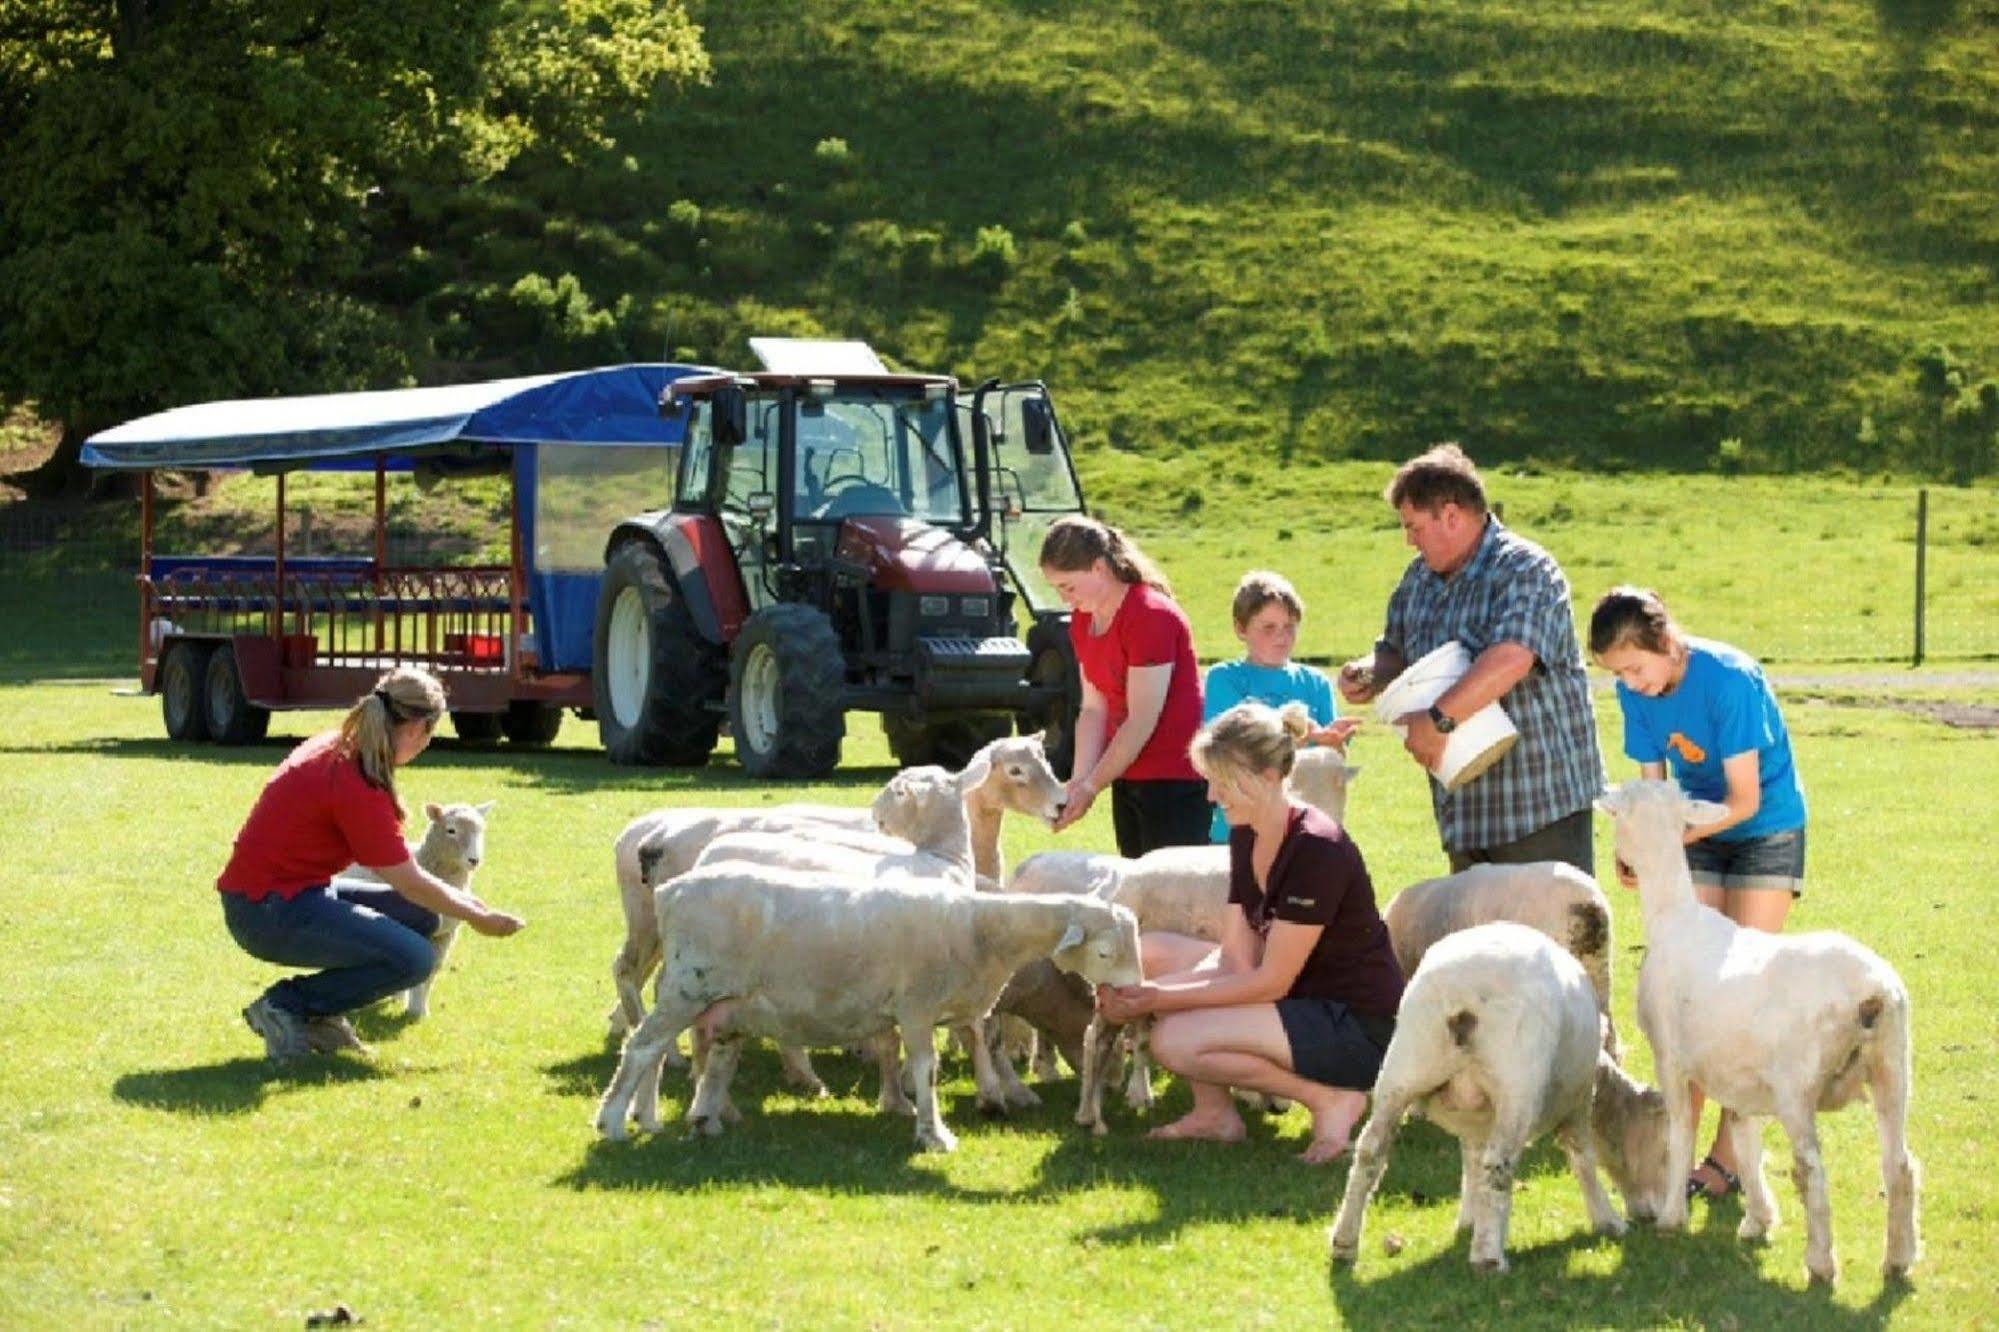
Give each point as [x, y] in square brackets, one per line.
[1922, 551]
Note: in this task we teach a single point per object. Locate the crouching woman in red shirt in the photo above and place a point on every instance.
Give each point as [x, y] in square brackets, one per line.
[1300, 998]
[332, 803]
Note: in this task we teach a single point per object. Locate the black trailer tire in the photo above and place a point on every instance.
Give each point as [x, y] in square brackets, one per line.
[787, 678]
[654, 678]
[232, 718]
[1052, 661]
[531, 724]
[948, 739]
[183, 679]
[476, 728]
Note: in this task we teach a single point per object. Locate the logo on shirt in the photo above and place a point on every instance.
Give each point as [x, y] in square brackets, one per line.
[1301, 901]
[1686, 748]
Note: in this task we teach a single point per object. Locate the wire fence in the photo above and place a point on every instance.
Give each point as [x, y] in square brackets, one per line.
[1892, 575]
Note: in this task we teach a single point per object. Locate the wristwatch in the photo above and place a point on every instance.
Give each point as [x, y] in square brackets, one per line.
[1443, 723]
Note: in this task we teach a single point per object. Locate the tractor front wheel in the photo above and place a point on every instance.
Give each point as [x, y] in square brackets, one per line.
[787, 676]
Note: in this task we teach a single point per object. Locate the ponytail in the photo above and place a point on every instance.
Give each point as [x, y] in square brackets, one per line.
[368, 731]
[1075, 542]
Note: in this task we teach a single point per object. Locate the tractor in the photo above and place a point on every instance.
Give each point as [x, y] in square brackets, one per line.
[839, 538]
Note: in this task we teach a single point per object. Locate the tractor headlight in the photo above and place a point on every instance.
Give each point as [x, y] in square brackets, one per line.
[933, 608]
[977, 608]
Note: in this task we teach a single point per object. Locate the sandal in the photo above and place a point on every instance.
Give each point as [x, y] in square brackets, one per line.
[1731, 1182]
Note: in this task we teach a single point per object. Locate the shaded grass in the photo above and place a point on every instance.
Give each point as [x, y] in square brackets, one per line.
[152, 1162]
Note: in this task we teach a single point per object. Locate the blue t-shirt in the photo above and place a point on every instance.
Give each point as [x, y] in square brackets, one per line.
[1231, 682]
[1723, 707]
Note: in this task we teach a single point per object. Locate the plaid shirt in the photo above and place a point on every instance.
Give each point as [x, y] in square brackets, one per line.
[1511, 591]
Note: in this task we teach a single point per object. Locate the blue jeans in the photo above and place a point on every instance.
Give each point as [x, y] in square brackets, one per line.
[372, 942]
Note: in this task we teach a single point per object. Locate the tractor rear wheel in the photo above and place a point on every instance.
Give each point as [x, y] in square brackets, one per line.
[531, 724]
[655, 678]
[787, 676]
[1052, 661]
[183, 676]
[232, 718]
[948, 739]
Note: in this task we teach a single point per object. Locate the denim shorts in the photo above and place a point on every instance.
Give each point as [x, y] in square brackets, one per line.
[1332, 1044]
[1776, 860]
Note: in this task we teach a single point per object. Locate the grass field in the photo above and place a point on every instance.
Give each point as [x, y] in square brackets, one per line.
[157, 1174]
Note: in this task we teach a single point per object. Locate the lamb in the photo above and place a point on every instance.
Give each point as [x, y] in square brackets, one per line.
[1018, 778]
[1498, 1041]
[1180, 890]
[1555, 898]
[822, 959]
[1768, 1025]
[453, 844]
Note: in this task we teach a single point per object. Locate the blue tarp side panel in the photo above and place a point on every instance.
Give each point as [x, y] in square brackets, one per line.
[611, 405]
[565, 621]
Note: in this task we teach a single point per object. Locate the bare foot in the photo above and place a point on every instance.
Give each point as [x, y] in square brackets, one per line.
[1205, 1128]
[1333, 1118]
[1321, 1150]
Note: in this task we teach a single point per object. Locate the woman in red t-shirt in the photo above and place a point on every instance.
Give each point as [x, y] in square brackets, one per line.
[1299, 1000]
[1141, 689]
[331, 804]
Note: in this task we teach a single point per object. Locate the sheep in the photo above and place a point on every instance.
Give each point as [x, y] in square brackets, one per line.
[1018, 778]
[821, 958]
[1498, 1041]
[1555, 898]
[452, 845]
[1178, 890]
[924, 837]
[1768, 1025]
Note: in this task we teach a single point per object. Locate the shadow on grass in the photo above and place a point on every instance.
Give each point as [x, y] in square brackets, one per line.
[1705, 1277]
[234, 1086]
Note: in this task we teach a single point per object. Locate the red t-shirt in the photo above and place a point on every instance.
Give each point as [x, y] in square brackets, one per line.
[316, 816]
[1319, 878]
[1148, 630]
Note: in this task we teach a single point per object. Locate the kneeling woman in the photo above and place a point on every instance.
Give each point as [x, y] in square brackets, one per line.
[1299, 1000]
[332, 803]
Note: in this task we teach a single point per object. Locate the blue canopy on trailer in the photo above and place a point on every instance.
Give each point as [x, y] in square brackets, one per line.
[611, 407]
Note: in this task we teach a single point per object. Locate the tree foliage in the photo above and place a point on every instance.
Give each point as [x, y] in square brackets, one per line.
[221, 198]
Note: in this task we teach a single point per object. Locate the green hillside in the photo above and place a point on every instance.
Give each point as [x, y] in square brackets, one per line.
[1752, 236]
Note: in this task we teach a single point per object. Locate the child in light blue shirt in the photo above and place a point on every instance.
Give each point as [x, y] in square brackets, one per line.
[1267, 612]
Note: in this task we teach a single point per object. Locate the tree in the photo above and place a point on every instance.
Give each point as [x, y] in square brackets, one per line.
[212, 198]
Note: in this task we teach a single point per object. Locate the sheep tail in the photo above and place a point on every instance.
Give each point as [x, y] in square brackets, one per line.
[1461, 1025]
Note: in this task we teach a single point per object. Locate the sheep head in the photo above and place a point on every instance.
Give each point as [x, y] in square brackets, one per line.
[456, 835]
[1013, 773]
[912, 803]
[1321, 777]
[1101, 944]
[1650, 815]
[1628, 1121]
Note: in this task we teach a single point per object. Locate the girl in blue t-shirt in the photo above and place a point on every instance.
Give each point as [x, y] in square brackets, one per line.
[1704, 711]
[1267, 611]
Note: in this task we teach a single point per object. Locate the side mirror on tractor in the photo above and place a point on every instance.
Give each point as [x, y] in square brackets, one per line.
[1037, 427]
[731, 408]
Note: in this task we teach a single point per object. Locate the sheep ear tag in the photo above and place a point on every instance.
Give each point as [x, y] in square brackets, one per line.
[1071, 938]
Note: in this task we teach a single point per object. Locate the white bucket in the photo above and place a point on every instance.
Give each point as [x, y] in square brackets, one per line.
[1479, 741]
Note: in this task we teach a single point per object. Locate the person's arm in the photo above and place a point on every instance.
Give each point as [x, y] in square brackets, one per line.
[1091, 720]
[1745, 794]
[1145, 689]
[1218, 692]
[1492, 675]
[1269, 980]
[428, 891]
[1365, 677]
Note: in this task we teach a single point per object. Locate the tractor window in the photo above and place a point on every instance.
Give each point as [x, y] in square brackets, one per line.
[870, 452]
[749, 495]
[699, 472]
[582, 491]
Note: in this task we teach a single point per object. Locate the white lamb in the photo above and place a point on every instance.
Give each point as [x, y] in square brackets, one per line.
[1766, 1024]
[1498, 1041]
[1177, 890]
[452, 845]
[657, 846]
[1555, 898]
[821, 959]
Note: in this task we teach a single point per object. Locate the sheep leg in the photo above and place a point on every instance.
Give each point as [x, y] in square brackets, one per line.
[1888, 1088]
[798, 1072]
[1497, 1162]
[1469, 1149]
[635, 961]
[711, 1107]
[1370, 1158]
[1808, 1173]
[1680, 1125]
[645, 1050]
[919, 1038]
[416, 999]
[892, 1100]
[1578, 1144]
[1138, 1083]
[1000, 1087]
[1098, 1042]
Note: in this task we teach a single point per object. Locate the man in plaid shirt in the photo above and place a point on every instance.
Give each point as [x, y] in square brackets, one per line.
[1507, 601]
